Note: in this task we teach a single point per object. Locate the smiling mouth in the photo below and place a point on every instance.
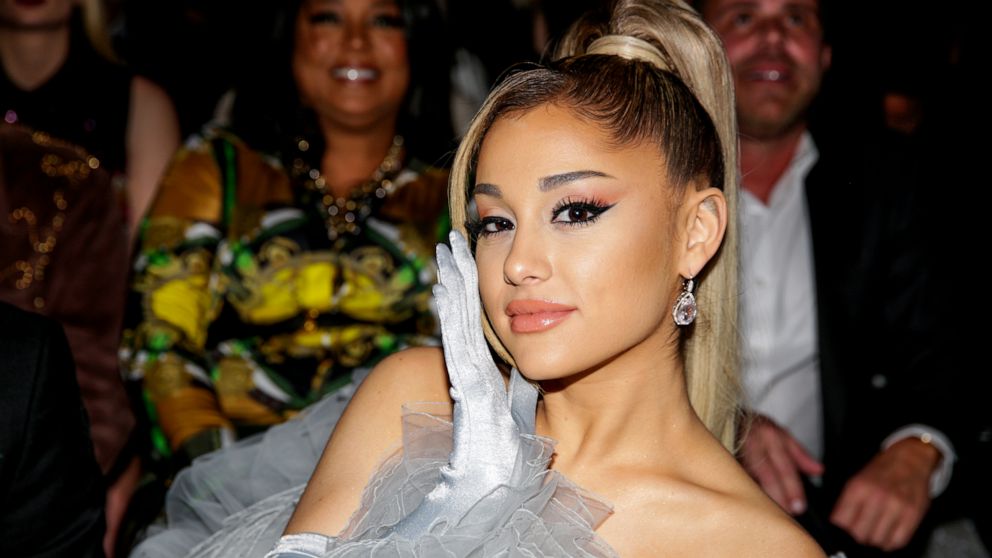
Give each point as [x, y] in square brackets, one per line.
[351, 73]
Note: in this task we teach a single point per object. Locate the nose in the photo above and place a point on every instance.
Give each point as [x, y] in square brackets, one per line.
[772, 30]
[356, 35]
[527, 262]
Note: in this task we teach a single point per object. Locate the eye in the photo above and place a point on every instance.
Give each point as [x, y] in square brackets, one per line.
[578, 212]
[796, 19]
[388, 21]
[324, 16]
[741, 19]
[489, 226]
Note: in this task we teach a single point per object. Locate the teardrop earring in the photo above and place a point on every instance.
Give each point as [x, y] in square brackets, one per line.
[685, 310]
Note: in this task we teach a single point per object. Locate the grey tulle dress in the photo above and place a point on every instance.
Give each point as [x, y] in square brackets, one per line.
[471, 479]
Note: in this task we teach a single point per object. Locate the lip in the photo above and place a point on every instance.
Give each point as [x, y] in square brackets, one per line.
[535, 316]
[767, 71]
[355, 73]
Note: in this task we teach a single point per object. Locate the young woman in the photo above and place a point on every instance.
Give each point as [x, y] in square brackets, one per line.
[602, 193]
[603, 186]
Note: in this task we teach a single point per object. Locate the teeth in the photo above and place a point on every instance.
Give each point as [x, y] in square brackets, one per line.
[770, 75]
[355, 74]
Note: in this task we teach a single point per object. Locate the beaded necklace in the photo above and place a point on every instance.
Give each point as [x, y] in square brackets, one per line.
[344, 215]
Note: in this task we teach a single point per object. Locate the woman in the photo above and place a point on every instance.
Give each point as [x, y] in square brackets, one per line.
[603, 195]
[290, 251]
[60, 76]
[603, 187]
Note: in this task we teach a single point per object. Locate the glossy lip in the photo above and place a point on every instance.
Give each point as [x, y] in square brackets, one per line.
[535, 316]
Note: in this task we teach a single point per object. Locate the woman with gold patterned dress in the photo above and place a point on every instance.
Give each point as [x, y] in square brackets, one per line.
[291, 250]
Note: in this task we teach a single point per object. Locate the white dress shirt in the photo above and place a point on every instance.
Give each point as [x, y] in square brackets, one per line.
[780, 357]
[781, 361]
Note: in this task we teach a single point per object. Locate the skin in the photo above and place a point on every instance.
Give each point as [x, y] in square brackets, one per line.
[357, 117]
[778, 59]
[618, 407]
[778, 56]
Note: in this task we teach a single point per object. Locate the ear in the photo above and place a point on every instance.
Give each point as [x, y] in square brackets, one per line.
[826, 55]
[705, 224]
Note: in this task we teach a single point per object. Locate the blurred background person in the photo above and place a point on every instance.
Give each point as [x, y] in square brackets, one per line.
[63, 254]
[60, 76]
[845, 366]
[291, 249]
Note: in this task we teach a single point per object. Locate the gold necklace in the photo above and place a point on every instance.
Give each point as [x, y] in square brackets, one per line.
[345, 215]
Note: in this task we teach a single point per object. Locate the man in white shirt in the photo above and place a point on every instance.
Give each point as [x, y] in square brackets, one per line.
[835, 336]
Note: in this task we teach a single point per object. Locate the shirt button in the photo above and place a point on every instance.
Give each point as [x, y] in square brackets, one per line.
[878, 381]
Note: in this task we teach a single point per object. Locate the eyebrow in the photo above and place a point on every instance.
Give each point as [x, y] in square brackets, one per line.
[545, 184]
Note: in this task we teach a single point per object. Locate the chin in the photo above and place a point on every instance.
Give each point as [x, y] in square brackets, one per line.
[557, 360]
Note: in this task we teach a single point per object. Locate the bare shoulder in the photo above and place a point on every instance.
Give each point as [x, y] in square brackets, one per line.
[368, 429]
[738, 524]
[151, 109]
[147, 92]
[705, 504]
[763, 530]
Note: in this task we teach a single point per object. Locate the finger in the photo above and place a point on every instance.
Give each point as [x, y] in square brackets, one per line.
[473, 305]
[450, 275]
[902, 532]
[470, 281]
[866, 518]
[803, 460]
[769, 481]
[855, 511]
[785, 468]
[891, 512]
[755, 455]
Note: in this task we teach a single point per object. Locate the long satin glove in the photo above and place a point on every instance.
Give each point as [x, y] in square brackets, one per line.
[487, 420]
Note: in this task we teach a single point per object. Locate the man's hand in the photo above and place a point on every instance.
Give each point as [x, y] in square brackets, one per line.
[884, 503]
[775, 459]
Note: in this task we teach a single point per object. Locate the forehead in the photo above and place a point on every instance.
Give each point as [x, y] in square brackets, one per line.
[713, 8]
[317, 4]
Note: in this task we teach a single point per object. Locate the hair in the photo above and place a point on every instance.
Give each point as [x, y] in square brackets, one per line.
[93, 21]
[649, 70]
[269, 114]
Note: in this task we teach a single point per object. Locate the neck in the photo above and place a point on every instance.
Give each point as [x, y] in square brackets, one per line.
[764, 161]
[350, 158]
[31, 57]
[635, 409]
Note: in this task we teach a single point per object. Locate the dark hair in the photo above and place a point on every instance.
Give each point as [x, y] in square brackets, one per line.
[631, 99]
[269, 115]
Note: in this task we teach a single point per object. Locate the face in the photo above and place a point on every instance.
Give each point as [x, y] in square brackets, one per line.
[778, 57]
[576, 250]
[350, 60]
[36, 14]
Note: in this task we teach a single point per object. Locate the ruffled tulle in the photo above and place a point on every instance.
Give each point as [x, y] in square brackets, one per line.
[537, 513]
[264, 474]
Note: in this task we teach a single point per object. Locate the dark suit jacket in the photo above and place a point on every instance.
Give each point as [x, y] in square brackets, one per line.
[883, 358]
[51, 489]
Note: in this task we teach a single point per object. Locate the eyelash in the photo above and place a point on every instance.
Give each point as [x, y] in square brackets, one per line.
[593, 208]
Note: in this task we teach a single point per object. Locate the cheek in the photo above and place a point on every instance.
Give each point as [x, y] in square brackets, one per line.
[393, 49]
[490, 266]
